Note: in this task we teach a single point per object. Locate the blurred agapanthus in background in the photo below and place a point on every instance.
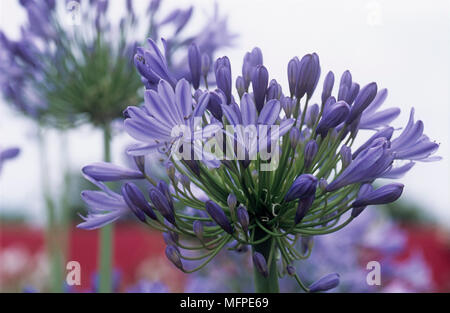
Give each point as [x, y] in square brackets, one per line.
[74, 64]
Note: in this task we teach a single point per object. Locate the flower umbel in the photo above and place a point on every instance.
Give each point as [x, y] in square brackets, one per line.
[317, 186]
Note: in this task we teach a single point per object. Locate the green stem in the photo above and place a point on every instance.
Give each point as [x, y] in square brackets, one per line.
[106, 233]
[263, 284]
[52, 238]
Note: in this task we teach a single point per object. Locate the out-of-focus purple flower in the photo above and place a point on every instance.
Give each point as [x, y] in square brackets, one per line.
[144, 286]
[8, 154]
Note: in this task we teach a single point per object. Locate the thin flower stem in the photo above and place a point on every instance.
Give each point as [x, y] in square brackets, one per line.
[106, 233]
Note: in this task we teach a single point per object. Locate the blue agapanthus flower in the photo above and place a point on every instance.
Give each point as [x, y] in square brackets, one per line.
[257, 167]
[73, 63]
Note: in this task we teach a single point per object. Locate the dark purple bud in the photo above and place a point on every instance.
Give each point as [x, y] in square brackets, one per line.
[174, 256]
[383, 195]
[198, 229]
[312, 115]
[346, 156]
[139, 214]
[140, 163]
[362, 101]
[195, 65]
[218, 215]
[215, 105]
[323, 184]
[231, 201]
[293, 68]
[260, 80]
[274, 92]
[325, 283]
[222, 69]
[290, 270]
[308, 76]
[240, 86]
[136, 197]
[310, 153]
[171, 238]
[303, 207]
[333, 116]
[345, 86]
[303, 187]
[243, 218]
[206, 64]
[328, 85]
[260, 264]
[354, 91]
[288, 106]
[107, 172]
[294, 137]
[161, 203]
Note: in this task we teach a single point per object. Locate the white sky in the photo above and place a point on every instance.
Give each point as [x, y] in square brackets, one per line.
[402, 45]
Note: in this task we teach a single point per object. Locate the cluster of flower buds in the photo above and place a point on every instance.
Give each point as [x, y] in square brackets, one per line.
[318, 182]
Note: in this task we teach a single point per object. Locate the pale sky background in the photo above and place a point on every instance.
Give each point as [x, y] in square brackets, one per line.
[403, 45]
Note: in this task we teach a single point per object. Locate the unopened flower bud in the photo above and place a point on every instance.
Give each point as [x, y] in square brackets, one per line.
[325, 283]
[311, 149]
[198, 229]
[243, 218]
[174, 256]
[231, 201]
[294, 137]
[218, 215]
[260, 264]
[290, 270]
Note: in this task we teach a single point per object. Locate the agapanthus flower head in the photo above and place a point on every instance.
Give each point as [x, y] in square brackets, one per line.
[65, 71]
[265, 169]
